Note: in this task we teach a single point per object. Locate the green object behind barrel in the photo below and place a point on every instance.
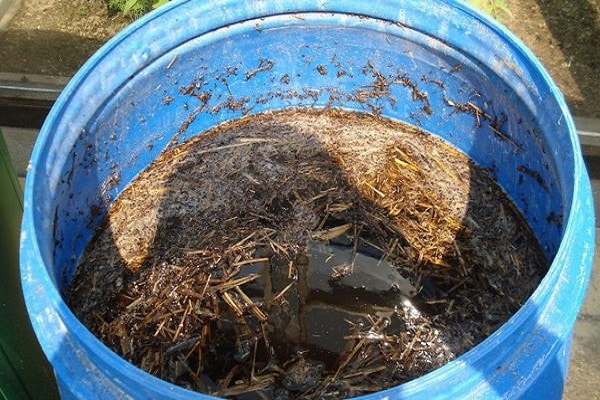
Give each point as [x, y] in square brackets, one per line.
[24, 371]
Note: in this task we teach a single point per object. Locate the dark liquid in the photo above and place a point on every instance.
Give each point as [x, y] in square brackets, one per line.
[333, 286]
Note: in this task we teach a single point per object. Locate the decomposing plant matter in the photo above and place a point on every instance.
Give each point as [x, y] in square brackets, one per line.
[313, 253]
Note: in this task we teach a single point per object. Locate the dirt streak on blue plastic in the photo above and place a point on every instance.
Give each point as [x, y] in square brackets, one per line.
[112, 120]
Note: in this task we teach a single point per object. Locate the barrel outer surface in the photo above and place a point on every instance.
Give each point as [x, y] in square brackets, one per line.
[112, 120]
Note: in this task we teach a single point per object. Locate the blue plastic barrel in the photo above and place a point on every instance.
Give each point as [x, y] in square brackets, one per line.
[477, 87]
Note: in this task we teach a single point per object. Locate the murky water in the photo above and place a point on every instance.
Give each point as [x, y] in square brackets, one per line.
[332, 285]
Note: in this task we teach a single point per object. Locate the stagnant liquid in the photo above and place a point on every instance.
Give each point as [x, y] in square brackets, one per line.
[305, 253]
[333, 286]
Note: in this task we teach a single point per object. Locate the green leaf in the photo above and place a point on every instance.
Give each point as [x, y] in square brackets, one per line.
[159, 3]
[496, 8]
[130, 5]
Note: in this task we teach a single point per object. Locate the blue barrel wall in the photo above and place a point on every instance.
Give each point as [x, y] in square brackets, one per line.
[193, 64]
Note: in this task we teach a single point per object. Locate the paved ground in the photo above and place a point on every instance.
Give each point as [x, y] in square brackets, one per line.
[583, 381]
[584, 374]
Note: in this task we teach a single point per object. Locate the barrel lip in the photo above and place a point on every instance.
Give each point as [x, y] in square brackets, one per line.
[578, 225]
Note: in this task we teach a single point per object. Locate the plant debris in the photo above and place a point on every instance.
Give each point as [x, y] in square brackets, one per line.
[305, 253]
